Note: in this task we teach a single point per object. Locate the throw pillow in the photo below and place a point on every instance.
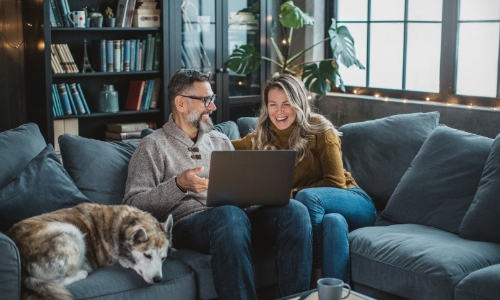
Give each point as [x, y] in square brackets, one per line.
[378, 152]
[229, 128]
[442, 180]
[246, 125]
[18, 147]
[99, 169]
[43, 186]
[482, 220]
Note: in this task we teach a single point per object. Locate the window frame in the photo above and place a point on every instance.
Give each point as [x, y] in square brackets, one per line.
[448, 68]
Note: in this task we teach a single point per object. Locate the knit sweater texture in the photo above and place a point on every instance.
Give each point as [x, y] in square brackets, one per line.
[322, 166]
[159, 158]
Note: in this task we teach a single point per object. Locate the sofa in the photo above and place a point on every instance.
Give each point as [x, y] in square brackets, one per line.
[33, 181]
[436, 190]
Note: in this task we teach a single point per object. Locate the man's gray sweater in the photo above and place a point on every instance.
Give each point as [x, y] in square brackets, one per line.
[159, 158]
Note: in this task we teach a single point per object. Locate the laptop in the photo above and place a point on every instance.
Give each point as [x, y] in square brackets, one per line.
[250, 177]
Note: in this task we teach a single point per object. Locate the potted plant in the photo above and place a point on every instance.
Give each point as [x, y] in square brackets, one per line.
[318, 76]
[95, 15]
[110, 19]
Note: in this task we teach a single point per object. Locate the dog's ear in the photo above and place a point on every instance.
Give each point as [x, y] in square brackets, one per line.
[168, 225]
[139, 235]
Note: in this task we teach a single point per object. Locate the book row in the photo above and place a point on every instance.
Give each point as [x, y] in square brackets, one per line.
[127, 55]
[143, 94]
[68, 99]
[62, 60]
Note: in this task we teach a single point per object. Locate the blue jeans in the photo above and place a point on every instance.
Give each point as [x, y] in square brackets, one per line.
[334, 213]
[228, 232]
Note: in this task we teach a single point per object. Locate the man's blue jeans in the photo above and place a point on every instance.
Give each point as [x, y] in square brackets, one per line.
[334, 213]
[228, 232]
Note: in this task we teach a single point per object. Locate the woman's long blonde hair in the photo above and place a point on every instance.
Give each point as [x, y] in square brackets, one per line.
[308, 123]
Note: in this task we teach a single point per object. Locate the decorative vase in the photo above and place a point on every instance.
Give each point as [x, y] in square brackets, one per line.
[108, 99]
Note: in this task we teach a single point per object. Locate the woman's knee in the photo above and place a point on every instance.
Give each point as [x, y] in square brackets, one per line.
[309, 198]
[334, 224]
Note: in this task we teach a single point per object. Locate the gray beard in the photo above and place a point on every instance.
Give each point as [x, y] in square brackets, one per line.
[197, 121]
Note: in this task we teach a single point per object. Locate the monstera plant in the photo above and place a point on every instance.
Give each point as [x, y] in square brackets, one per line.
[318, 76]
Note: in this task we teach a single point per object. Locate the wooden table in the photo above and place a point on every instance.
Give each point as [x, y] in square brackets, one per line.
[313, 295]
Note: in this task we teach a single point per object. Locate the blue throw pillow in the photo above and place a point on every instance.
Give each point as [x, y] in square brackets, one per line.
[43, 186]
[442, 180]
[246, 125]
[99, 169]
[378, 152]
[229, 128]
[17, 148]
[482, 220]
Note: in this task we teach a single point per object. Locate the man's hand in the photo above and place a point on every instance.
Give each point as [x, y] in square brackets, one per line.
[190, 181]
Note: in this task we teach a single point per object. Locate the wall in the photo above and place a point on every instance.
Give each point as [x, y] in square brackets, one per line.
[343, 108]
[12, 97]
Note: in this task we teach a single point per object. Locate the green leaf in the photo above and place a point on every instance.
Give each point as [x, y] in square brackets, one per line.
[244, 60]
[342, 45]
[292, 17]
[318, 79]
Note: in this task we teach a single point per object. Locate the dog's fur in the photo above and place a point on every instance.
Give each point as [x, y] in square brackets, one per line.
[61, 247]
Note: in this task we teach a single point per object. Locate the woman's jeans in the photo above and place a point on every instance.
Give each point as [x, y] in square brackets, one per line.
[228, 232]
[334, 212]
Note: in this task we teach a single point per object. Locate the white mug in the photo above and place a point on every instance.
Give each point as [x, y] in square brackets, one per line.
[332, 288]
[77, 18]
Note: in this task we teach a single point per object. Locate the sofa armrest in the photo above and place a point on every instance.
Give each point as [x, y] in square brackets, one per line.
[10, 269]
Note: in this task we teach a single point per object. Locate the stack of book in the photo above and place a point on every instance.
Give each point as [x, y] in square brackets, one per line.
[127, 131]
[143, 94]
[68, 99]
[62, 60]
[127, 55]
[59, 9]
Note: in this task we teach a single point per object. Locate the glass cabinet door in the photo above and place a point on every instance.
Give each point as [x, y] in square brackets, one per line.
[244, 29]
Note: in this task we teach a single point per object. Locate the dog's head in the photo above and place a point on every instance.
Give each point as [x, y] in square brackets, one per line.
[145, 247]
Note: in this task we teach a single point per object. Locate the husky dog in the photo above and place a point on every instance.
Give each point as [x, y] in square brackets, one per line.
[61, 247]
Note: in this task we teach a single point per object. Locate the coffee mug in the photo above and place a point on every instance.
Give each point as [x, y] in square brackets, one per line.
[331, 289]
[77, 18]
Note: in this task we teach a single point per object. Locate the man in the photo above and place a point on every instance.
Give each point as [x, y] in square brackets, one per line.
[169, 172]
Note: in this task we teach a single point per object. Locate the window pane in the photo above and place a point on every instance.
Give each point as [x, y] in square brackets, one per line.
[479, 10]
[425, 10]
[353, 75]
[423, 57]
[478, 59]
[388, 10]
[386, 55]
[352, 10]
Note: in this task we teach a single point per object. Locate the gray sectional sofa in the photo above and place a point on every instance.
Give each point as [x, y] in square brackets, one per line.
[437, 191]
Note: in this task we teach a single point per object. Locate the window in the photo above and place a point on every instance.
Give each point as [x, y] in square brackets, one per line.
[440, 50]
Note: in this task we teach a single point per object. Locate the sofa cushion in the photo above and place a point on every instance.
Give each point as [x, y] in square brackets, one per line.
[116, 282]
[480, 285]
[230, 129]
[416, 261]
[18, 147]
[246, 125]
[378, 152]
[440, 184]
[43, 186]
[99, 169]
[482, 220]
[264, 266]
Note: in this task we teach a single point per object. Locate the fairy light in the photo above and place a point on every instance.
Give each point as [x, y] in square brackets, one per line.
[427, 99]
[283, 41]
[448, 104]
[355, 91]
[386, 98]
[309, 97]
[240, 83]
[405, 100]
[377, 95]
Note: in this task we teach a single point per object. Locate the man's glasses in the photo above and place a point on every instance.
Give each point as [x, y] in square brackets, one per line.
[206, 99]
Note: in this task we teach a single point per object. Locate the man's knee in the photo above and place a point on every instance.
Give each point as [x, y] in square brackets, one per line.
[229, 220]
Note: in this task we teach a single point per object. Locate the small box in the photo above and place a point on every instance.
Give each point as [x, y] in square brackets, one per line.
[146, 18]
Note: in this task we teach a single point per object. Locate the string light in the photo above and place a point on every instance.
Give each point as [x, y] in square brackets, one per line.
[386, 99]
[18, 45]
[284, 42]
[405, 100]
[427, 99]
[240, 83]
[355, 91]
[377, 95]
[309, 97]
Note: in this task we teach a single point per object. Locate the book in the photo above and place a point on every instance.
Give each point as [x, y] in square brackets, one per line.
[99, 55]
[55, 91]
[82, 96]
[121, 13]
[127, 127]
[126, 56]
[144, 96]
[53, 13]
[80, 109]
[140, 56]
[155, 94]
[130, 13]
[122, 54]
[150, 91]
[71, 101]
[134, 96]
[133, 66]
[109, 55]
[157, 52]
[117, 53]
[150, 52]
[63, 95]
[123, 135]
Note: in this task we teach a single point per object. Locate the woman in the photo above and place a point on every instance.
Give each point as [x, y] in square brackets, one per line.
[336, 204]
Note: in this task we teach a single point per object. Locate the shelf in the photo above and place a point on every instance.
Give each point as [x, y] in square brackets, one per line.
[100, 115]
[106, 29]
[93, 74]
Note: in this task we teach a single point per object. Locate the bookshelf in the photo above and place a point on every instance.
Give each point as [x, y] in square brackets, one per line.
[39, 76]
